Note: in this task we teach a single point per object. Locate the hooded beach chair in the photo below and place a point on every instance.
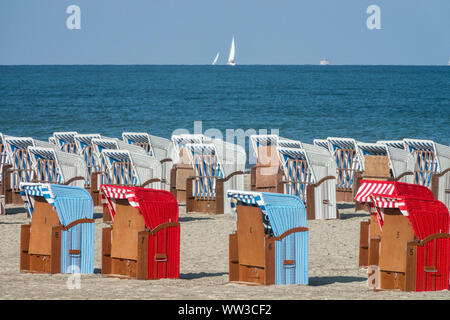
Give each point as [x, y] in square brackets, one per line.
[49, 165]
[3, 161]
[65, 141]
[160, 148]
[270, 245]
[99, 170]
[370, 230]
[18, 167]
[348, 163]
[432, 167]
[182, 167]
[143, 240]
[60, 237]
[414, 246]
[125, 168]
[214, 173]
[267, 173]
[310, 173]
[383, 162]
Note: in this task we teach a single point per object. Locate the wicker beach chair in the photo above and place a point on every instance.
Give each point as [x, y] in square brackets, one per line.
[3, 161]
[432, 167]
[383, 162]
[18, 166]
[65, 141]
[348, 164]
[182, 167]
[143, 240]
[98, 171]
[370, 230]
[160, 148]
[310, 173]
[218, 166]
[414, 244]
[270, 245]
[60, 237]
[53, 166]
[399, 144]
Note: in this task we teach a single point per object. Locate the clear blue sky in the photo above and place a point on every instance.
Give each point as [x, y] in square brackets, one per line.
[192, 31]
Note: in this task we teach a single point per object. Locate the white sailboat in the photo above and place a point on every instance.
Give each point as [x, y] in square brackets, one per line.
[449, 61]
[324, 62]
[215, 59]
[231, 61]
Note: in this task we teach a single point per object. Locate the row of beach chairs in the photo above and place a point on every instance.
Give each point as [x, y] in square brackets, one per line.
[291, 182]
[326, 172]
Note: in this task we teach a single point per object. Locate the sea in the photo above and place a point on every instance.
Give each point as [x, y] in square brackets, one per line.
[367, 103]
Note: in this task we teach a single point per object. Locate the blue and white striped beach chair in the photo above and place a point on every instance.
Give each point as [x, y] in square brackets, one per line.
[348, 163]
[218, 166]
[125, 168]
[432, 167]
[54, 166]
[60, 237]
[19, 167]
[182, 167]
[270, 245]
[161, 148]
[310, 173]
[65, 141]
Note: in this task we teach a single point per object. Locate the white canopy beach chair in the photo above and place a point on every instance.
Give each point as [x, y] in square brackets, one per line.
[344, 152]
[182, 167]
[125, 168]
[218, 167]
[400, 162]
[310, 173]
[54, 166]
[65, 141]
[18, 166]
[160, 148]
[432, 167]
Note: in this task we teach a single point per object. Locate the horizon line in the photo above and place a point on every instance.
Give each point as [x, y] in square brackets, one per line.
[217, 65]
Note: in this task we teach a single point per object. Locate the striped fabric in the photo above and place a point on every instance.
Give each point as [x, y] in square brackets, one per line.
[48, 171]
[71, 204]
[321, 143]
[208, 168]
[179, 141]
[399, 144]
[347, 164]
[263, 140]
[85, 149]
[296, 169]
[280, 214]
[139, 138]
[427, 161]
[375, 149]
[65, 141]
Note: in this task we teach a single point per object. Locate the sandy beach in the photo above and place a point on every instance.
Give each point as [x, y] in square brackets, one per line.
[333, 269]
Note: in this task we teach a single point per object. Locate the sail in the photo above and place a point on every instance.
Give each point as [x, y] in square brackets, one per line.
[232, 54]
[215, 59]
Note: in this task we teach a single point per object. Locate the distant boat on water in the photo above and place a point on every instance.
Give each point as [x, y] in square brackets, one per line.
[324, 62]
[215, 59]
[231, 61]
[449, 61]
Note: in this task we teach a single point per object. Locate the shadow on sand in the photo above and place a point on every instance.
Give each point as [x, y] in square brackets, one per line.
[322, 281]
[345, 216]
[188, 219]
[190, 276]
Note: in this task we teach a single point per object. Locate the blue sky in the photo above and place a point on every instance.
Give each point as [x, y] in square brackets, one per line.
[193, 31]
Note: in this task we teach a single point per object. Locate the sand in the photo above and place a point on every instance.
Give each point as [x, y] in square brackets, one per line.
[333, 266]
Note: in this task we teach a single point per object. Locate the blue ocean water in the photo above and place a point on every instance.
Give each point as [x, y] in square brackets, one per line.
[367, 103]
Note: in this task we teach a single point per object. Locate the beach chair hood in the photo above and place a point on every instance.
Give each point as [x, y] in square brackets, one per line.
[75, 210]
[281, 212]
[156, 206]
[368, 188]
